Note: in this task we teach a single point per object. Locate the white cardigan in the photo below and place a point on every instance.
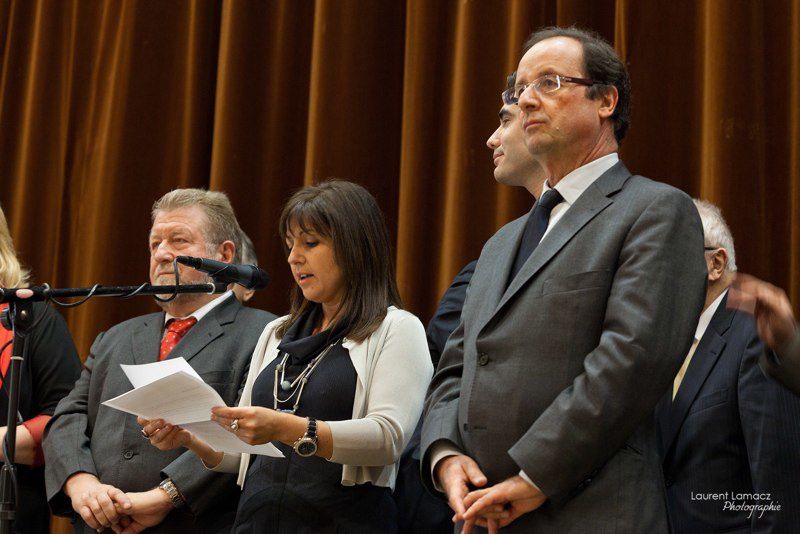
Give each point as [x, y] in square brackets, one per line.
[394, 368]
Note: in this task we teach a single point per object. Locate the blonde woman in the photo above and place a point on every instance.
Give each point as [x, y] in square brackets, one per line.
[47, 374]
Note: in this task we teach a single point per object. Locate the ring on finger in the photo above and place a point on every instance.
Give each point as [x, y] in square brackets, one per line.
[145, 435]
[235, 425]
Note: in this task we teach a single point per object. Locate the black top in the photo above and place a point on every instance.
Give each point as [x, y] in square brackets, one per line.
[47, 374]
[297, 494]
[334, 378]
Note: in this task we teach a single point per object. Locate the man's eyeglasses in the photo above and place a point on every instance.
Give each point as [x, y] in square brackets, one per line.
[544, 85]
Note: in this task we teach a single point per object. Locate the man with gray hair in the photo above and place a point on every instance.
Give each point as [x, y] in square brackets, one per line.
[728, 435]
[100, 470]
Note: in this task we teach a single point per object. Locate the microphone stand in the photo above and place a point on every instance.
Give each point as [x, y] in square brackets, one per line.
[21, 315]
[20, 320]
[47, 293]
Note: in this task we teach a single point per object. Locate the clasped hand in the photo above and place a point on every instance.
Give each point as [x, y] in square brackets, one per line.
[99, 505]
[492, 507]
[104, 506]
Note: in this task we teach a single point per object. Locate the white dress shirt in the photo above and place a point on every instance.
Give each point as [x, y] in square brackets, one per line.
[202, 311]
[575, 183]
[571, 187]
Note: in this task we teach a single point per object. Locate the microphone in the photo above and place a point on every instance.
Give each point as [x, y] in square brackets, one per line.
[247, 276]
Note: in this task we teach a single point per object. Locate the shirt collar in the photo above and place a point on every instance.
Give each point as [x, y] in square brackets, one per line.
[203, 311]
[705, 317]
[576, 182]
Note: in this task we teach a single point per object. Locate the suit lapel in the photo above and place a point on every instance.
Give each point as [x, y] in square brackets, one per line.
[705, 357]
[503, 260]
[207, 330]
[594, 200]
[146, 338]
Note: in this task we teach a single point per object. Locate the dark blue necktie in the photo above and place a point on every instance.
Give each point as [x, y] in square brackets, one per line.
[535, 228]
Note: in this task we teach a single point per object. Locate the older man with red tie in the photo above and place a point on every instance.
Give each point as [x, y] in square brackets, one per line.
[99, 469]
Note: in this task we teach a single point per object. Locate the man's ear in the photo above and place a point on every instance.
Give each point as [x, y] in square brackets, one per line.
[226, 251]
[608, 101]
[719, 262]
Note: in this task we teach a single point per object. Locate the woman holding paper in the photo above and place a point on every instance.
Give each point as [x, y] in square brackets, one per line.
[337, 385]
[47, 374]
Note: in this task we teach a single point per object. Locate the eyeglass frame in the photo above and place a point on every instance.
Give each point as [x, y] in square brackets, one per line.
[509, 98]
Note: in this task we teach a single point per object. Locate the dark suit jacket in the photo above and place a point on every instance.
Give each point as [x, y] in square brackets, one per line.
[84, 435]
[448, 313]
[558, 372]
[785, 368]
[417, 510]
[730, 429]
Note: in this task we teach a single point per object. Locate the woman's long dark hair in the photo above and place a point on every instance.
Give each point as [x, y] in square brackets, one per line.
[349, 216]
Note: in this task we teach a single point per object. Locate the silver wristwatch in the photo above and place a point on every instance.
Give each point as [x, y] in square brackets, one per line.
[307, 444]
[172, 492]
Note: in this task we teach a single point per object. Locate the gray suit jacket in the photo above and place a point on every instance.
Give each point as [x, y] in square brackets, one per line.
[558, 372]
[85, 436]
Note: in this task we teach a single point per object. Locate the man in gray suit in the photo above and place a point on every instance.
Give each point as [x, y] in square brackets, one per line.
[544, 395]
[99, 468]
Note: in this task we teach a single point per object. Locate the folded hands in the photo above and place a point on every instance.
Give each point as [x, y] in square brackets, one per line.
[490, 507]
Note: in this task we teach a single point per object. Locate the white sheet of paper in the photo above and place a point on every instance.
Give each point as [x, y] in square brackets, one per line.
[221, 440]
[181, 398]
[177, 398]
[141, 375]
[173, 391]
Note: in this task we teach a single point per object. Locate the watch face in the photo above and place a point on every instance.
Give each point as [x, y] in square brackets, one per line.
[306, 448]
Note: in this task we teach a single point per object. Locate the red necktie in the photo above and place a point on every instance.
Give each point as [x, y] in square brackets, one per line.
[176, 329]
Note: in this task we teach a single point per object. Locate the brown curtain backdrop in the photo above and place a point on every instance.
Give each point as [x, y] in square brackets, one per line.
[106, 105]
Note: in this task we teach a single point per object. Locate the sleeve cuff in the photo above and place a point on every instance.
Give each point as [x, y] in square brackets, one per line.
[35, 426]
[439, 451]
[527, 479]
[229, 464]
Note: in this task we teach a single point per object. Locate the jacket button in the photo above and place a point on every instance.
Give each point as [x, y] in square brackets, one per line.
[668, 482]
[127, 455]
[483, 359]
